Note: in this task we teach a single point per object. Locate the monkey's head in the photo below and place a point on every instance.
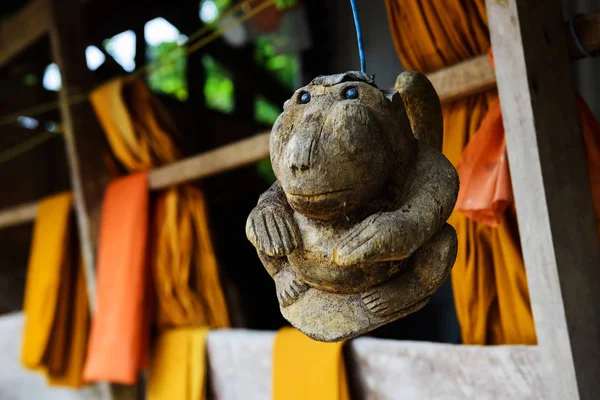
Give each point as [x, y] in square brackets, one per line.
[336, 143]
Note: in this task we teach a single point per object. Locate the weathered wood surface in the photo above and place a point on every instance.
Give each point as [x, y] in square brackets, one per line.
[243, 152]
[87, 150]
[476, 75]
[23, 29]
[16, 383]
[84, 138]
[551, 187]
[472, 76]
[241, 368]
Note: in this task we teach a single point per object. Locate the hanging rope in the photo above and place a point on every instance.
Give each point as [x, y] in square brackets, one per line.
[361, 50]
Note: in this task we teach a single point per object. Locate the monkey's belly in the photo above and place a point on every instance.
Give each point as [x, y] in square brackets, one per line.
[314, 265]
[319, 271]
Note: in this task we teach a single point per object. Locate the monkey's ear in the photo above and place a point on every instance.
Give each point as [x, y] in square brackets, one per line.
[422, 106]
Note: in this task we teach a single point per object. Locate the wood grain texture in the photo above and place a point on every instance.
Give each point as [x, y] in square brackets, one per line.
[243, 152]
[476, 75]
[472, 76]
[21, 30]
[241, 367]
[551, 188]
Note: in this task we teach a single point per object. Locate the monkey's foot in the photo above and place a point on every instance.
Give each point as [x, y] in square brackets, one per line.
[289, 287]
[376, 302]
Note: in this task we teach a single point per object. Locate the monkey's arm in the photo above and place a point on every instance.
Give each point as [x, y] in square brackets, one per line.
[428, 200]
[270, 226]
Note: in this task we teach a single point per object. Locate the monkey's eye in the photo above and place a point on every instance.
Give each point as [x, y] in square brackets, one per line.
[351, 93]
[304, 97]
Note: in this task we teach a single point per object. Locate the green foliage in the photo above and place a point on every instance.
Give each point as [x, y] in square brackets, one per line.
[168, 74]
[218, 89]
[265, 112]
[265, 170]
[284, 4]
[283, 66]
[222, 5]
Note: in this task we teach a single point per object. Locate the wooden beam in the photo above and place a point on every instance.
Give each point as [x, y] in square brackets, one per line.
[23, 29]
[19, 215]
[476, 75]
[469, 77]
[552, 191]
[241, 367]
[228, 157]
[84, 138]
[85, 143]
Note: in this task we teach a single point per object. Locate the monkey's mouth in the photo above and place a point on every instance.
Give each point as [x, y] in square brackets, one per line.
[315, 197]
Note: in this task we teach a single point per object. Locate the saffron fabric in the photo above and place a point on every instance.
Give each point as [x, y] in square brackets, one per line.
[178, 365]
[183, 262]
[56, 306]
[306, 369]
[119, 337]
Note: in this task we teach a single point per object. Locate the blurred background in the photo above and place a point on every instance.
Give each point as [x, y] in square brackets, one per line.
[232, 88]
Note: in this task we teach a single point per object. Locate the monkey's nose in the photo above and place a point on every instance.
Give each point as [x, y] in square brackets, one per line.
[300, 153]
[301, 167]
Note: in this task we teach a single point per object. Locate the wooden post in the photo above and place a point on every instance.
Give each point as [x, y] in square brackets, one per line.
[84, 139]
[552, 191]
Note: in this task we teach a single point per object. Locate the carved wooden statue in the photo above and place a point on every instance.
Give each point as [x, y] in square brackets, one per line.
[354, 231]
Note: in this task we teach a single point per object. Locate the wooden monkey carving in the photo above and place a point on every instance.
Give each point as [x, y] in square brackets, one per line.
[354, 231]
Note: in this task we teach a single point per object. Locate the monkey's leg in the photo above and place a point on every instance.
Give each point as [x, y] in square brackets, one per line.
[428, 268]
[288, 286]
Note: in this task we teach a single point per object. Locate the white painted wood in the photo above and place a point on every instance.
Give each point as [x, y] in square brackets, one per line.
[551, 187]
[16, 383]
[241, 368]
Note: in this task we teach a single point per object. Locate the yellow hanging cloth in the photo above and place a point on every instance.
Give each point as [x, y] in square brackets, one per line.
[184, 265]
[306, 369]
[488, 278]
[178, 366]
[56, 305]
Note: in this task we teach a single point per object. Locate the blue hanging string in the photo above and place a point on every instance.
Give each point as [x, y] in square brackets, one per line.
[361, 50]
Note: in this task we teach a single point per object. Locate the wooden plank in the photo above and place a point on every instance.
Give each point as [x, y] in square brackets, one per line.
[86, 147]
[84, 138]
[23, 29]
[476, 75]
[464, 79]
[225, 158]
[18, 215]
[241, 367]
[552, 194]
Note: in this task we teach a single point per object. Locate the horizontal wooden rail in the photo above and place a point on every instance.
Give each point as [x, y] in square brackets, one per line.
[240, 366]
[23, 29]
[212, 162]
[477, 75]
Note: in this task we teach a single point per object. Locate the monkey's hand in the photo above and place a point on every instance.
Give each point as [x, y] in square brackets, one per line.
[380, 237]
[271, 229]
